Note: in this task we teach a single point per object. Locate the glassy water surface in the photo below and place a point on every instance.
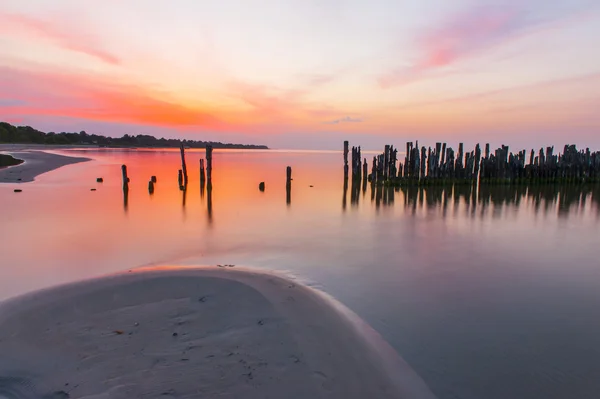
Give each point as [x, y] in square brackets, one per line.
[490, 293]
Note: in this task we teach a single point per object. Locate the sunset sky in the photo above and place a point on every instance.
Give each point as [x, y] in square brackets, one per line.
[306, 73]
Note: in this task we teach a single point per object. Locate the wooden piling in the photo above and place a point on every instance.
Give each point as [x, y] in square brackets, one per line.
[209, 151]
[125, 178]
[346, 144]
[151, 187]
[183, 165]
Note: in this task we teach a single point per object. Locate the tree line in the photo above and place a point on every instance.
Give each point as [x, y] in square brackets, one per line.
[29, 135]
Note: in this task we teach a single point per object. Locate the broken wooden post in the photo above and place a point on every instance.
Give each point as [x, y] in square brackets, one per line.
[261, 186]
[183, 166]
[99, 180]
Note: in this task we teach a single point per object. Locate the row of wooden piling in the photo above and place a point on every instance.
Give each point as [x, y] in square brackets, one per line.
[205, 175]
[441, 165]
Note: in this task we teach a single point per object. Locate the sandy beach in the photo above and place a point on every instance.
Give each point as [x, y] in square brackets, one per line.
[36, 163]
[190, 333]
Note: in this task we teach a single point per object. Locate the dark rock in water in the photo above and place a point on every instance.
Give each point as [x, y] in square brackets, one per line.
[18, 190]
[175, 334]
[92, 189]
[261, 186]
[99, 180]
[19, 179]
[311, 185]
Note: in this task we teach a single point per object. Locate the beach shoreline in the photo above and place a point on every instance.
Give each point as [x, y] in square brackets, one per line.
[35, 163]
[190, 332]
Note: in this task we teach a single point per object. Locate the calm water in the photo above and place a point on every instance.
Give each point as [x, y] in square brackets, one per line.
[490, 294]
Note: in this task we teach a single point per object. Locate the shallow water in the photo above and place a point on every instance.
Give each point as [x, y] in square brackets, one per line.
[486, 294]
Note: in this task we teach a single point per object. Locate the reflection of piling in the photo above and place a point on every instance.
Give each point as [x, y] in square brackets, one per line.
[209, 202]
[125, 198]
[202, 174]
[288, 185]
[345, 195]
[183, 165]
[180, 179]
[209, 151]
[151, 187]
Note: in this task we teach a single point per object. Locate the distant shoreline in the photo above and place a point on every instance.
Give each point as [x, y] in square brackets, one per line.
[10, 134]
[34, 164]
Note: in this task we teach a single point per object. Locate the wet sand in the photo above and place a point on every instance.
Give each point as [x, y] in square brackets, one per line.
[189, 333]
[36, 163]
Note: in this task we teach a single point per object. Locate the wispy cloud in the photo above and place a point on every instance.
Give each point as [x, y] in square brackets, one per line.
[346, 119]
[17, 24]
[470, 33]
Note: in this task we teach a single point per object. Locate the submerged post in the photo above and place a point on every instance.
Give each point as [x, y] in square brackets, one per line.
[183, 166]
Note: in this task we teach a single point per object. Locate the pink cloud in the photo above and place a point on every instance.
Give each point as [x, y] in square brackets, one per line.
[473, 32]
[16, 24]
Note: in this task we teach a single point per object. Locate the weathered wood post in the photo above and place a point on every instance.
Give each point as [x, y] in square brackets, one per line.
[423, 162]
[386, 162]
[209, 151]
[346, 158]
[288, 184]
[125, 178]
[183, 165]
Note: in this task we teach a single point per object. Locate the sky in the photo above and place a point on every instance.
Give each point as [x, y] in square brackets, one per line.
[306, 74]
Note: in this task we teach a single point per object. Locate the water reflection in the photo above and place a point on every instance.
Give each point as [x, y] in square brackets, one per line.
[477, 201]
[209, 203]
[125, 198]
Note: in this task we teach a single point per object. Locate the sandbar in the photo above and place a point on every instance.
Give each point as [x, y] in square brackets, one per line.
[206, 332]
[36, 163]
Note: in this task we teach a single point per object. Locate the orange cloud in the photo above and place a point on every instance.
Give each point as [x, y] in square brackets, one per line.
[80, 96]
[16, 24]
